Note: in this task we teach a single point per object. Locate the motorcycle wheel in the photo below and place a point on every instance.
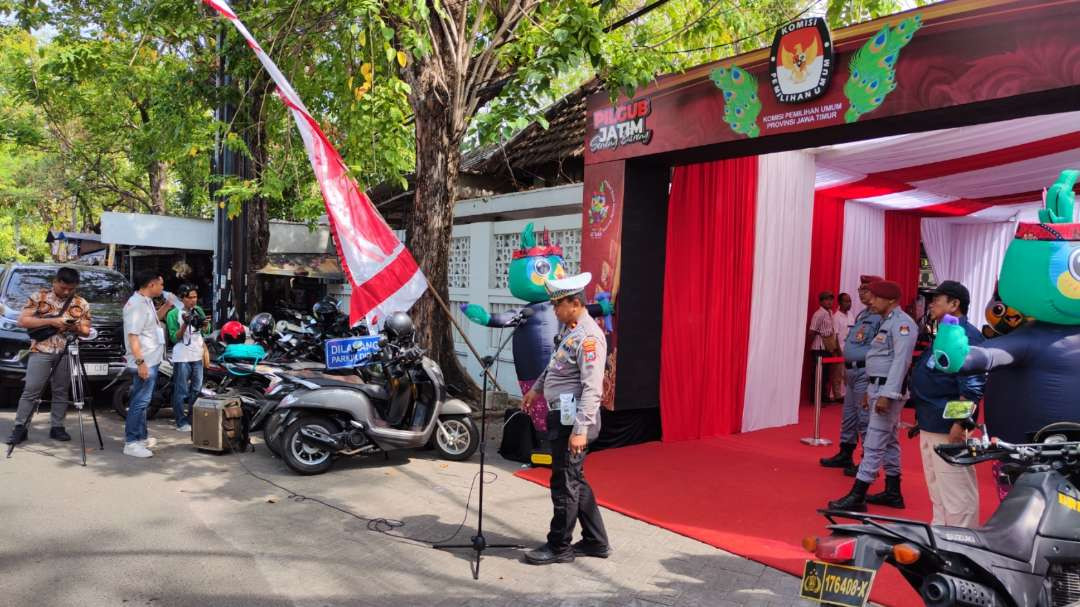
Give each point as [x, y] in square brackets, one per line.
[301, 458]
[463, 440]
[121, 394]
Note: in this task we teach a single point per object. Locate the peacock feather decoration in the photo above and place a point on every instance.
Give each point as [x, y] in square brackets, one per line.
[873, 68]
[741, 102]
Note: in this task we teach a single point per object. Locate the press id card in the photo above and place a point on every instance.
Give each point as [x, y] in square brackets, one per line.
[567, 409]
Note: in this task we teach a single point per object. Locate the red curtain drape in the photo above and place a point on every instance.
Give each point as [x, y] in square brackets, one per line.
[826, 255]
[902, 238]
[709, 273]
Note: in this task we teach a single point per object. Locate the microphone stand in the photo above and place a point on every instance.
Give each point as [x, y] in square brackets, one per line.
[479, 542]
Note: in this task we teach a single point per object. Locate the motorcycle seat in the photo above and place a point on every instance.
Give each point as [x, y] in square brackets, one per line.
[372, 391]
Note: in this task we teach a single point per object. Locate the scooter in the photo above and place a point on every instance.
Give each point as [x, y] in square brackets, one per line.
[399, 402]
[1027, 554]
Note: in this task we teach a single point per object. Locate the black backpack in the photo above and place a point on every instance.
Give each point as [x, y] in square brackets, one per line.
[519, 436]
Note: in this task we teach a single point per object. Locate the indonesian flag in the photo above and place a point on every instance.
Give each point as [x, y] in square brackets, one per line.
[383, 274]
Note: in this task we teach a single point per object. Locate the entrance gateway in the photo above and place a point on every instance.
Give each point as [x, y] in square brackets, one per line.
[953, 64]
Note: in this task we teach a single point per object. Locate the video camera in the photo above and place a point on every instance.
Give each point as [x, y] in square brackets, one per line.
[194, 319]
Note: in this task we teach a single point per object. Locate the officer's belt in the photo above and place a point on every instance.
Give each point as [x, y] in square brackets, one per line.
[854, 364]
[880, 381]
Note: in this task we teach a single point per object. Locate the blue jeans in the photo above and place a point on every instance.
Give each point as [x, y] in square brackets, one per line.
[187, 381]
[141, 391]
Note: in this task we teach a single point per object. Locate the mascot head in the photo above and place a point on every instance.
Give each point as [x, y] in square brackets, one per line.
[533, 265]
[1041, 273]
[1001, 318]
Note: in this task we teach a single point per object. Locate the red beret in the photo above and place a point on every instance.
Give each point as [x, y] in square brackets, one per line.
[866, 279]
[885, 289]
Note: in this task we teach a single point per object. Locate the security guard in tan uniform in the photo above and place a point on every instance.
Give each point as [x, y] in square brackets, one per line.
[572, 384]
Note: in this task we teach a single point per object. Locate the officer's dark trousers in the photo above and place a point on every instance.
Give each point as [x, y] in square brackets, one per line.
[570, 494]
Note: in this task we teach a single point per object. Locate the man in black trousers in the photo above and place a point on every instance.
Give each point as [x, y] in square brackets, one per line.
[572, 384]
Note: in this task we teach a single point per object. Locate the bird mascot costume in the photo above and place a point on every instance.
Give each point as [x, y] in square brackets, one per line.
[533, 264]
[1034, 368]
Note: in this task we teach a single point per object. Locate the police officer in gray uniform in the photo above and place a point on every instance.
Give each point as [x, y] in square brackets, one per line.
[887, 364]
[857, 344]
[572, 384]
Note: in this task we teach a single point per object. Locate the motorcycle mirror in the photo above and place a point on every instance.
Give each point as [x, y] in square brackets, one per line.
[958, 409]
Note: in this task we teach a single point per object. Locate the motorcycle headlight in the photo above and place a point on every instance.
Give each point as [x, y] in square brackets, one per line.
[288, 400]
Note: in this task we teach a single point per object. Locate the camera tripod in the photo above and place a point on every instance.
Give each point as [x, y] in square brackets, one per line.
[78, 392]
[478, 541]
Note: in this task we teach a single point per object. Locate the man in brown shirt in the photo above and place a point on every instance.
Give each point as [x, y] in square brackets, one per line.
[65, 313]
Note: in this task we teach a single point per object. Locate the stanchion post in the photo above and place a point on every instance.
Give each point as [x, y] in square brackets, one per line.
[816, 440]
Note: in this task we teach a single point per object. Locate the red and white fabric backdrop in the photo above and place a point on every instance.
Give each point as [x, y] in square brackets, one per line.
[738, 253]
[864, 248]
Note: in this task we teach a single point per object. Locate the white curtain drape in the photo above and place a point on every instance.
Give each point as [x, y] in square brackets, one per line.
[970, 253]
[785, 213]
[864, 248]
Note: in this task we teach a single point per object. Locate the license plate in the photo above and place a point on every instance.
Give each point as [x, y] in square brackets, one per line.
[836, 584]
[97, 368]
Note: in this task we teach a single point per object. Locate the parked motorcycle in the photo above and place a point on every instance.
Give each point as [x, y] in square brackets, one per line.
[1027, 554]
[122, 384]
[398, 402]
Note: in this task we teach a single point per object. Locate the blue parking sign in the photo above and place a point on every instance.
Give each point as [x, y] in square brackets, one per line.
[350, 351]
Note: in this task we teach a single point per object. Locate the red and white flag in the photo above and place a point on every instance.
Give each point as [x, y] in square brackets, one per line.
[383, 274]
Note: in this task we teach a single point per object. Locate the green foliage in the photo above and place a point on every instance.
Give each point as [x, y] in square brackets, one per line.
[114, 108]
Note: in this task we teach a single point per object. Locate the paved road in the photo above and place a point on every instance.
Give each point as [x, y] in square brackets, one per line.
[188, 528]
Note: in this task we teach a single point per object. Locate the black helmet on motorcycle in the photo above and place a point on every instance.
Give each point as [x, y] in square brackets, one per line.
[262, 326]
[325, 310]
[398, 326]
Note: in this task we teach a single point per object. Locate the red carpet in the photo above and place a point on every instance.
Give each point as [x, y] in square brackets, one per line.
[753, 494]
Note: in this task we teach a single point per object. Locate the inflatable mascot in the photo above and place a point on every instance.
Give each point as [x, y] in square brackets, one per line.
[1034, 368]
[532, 266]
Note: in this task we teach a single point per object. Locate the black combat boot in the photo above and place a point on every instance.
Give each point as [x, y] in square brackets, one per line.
[841, 459]
[18, 435]
[854, 501]
[890, 496]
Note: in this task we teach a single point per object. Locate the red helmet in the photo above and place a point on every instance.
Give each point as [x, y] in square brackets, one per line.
[233, 332]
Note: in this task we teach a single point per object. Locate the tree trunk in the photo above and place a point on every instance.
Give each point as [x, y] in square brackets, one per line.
[256, 212]
[158, 174]
[430, 223]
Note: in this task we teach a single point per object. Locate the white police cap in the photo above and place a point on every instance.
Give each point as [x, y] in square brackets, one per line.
[565, 287]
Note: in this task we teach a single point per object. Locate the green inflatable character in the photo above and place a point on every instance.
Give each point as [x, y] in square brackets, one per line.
[533, 264]
[1034, 371]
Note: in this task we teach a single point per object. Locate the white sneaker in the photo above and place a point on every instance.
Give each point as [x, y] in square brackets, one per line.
[148, 443]
[137, 450]
[184, 428]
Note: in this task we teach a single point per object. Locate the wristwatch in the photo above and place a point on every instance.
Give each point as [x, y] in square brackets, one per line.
[139, 362]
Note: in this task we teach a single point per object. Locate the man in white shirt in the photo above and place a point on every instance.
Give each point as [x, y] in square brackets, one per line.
[843, 320]
[145, 340]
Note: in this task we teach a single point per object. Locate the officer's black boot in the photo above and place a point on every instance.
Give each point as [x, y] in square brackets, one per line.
[891, 496]
[854, 501]
[18, 435]
[841, 459]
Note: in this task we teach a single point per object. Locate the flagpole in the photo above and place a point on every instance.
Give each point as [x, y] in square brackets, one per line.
[450, 315]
